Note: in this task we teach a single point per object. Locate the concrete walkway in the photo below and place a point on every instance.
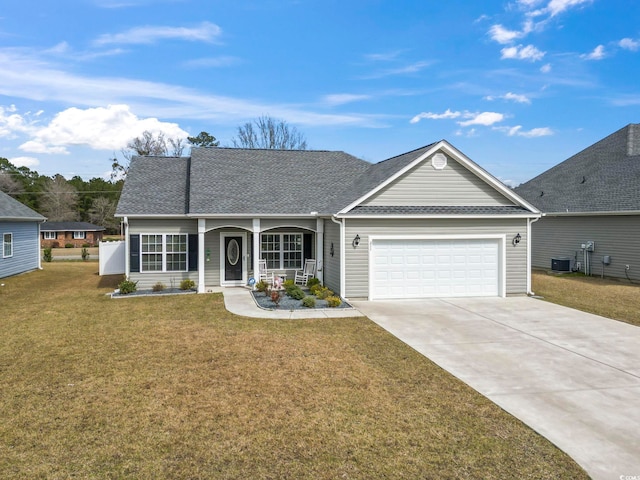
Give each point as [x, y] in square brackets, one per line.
[238, 300]
[571, 376]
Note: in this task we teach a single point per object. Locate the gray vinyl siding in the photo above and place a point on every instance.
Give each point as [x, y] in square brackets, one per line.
[425, 186]
[357, 260]
[287, 224]
[159, 226]
[26, 247]
[617, 236]
[331, 266]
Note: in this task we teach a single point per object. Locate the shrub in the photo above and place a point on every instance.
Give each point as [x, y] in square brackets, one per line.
[295, 292]
[46, 255]
[86, 245]
[323, 293]
[84, 254]
[127, 286]
[187, 284]
[313, 281]
[68, 245]
[55, 244]
[158, 287]
[314, 289]
[333, 301]
[288, 283]
[262, 286]
[309, 302]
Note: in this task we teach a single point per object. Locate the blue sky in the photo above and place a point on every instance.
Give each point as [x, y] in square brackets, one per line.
[517, 86]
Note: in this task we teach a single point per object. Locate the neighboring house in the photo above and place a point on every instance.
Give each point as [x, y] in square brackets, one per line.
[60, 234]
[428, 223]
[591, 208]
[19, 234]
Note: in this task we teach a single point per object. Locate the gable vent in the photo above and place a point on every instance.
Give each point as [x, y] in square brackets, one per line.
[439, 161]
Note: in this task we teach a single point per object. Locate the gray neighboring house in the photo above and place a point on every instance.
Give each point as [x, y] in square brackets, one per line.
[591, 208]
[20, 236]
[427, 223]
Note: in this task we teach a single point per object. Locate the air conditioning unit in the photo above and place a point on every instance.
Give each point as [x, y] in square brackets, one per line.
[561, 264]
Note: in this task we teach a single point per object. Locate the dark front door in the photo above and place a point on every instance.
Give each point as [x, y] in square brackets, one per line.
[232, 259]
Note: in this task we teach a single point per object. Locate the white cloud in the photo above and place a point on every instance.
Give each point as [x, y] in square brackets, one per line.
[214, 62]
[518, 132]
[435, 116]
[556, 7]
[28, 162]
[598, 53]
[519, 52]
[343, 98]
[98, 128]
[546, 68]
[484, 118]
[408, 69]
[12, 123]
[502, 35]
[23, 74]
[205, 32]
[383, 57]
[629, 44]
[514, 97]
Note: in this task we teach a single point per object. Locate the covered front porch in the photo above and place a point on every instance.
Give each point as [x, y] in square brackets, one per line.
[229, 249]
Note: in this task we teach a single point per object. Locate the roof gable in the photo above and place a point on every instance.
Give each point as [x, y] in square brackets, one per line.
[604, 177]
[12, 209]
[417, 183]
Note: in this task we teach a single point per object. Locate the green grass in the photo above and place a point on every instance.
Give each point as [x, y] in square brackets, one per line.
[611, 298]
[177, 387]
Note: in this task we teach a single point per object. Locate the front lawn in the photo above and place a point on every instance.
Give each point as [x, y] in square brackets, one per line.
[611, 298]
[177, 387]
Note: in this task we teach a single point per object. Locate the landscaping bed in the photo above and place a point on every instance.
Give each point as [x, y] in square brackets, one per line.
[288, 303]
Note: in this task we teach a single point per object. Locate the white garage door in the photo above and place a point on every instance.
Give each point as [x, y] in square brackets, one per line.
[434, 268]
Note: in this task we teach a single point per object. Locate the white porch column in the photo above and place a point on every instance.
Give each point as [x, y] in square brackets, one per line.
[202, 228]
[320, 249]
[127, 248]
[256, 246]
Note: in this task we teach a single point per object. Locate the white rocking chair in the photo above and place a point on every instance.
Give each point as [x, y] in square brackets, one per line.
[308, 271]
[263, 274]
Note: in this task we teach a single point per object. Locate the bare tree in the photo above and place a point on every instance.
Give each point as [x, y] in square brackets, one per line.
[8, 184]
[102, 212]
[59, 200]
[267, 132]
[146, 144]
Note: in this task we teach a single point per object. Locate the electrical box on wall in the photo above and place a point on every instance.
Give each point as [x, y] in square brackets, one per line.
[590, 246]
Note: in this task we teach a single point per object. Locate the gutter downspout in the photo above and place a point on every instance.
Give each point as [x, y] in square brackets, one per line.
[529, 222]
[342, 256]
[40, 222]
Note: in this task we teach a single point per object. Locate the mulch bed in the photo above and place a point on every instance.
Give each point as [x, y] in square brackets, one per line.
[288, 303]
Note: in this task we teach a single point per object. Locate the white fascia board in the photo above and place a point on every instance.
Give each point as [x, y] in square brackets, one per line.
[126, 215]
[593, 214]
[252, 215]
[465, 161]
[435, 217]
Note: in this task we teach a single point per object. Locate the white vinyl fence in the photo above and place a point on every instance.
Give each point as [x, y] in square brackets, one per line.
[112, 257]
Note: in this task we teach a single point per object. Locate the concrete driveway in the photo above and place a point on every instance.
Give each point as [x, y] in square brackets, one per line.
[571, 376]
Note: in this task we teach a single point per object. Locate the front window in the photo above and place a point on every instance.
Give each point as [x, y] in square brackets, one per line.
[7, 245]
[50, 235]
[78, 235]
[163, 253]
[282, 250]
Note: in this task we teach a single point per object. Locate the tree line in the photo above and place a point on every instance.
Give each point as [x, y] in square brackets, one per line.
[95, 200]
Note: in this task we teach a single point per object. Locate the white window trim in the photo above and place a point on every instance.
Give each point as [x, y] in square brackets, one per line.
[164, 254]
[5, 243]
[79, 235]
[282, 251]
[50, 235]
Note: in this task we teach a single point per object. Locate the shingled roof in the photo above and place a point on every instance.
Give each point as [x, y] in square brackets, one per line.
[12, 209]
[604, 177]
[70, 227]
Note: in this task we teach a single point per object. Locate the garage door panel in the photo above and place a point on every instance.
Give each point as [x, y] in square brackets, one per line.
[435, 268]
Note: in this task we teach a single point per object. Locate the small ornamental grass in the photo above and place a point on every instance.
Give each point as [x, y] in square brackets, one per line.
[187, 284]
[309, 302]
[158, 287]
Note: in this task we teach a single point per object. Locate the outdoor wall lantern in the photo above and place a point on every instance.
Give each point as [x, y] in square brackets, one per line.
[516, 239]
[208, 255]
[331, 251]
[356, 241]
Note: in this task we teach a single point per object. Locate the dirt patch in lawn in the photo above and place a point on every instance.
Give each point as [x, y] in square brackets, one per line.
[611, 298]
[177, 387]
